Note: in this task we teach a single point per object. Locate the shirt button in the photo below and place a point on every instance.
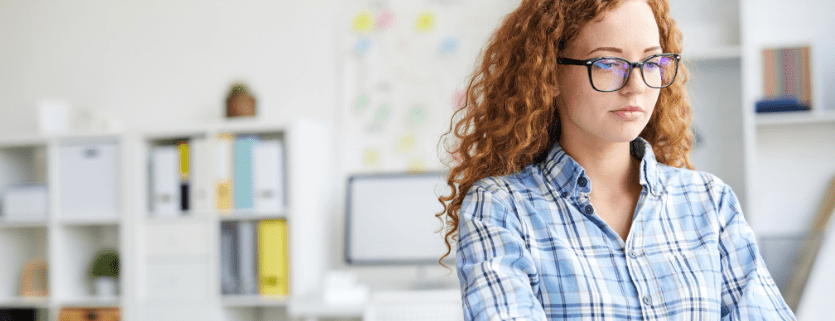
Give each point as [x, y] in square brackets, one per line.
[647, 300]
[582, 181]
[564, 194]
[632, 254]
[589, 209]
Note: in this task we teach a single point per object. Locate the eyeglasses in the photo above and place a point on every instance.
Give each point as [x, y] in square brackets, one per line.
[609, 74]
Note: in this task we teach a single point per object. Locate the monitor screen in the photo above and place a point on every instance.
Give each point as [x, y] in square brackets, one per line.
[391, 219]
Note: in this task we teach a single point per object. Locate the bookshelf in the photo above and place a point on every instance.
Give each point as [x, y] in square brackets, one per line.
[71, 233]
[169, 264]
[192, 265]
[778, 164]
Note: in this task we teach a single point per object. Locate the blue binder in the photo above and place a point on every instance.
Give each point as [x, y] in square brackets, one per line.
[244, 196]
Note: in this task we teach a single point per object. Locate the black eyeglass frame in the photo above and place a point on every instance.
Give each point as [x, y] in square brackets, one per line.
[589, 62]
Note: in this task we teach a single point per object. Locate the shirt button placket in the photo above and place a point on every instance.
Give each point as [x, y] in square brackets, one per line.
[647, 300]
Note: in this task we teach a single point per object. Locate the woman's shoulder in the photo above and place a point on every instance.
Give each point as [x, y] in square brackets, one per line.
[678, 180]
[524, 181]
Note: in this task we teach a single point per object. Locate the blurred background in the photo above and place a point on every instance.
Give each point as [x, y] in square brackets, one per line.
[128, 123]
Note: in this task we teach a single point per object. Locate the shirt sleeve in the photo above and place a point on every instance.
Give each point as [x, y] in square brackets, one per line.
[748, 291]
[495, 268]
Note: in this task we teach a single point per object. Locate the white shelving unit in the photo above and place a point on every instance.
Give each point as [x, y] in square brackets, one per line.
[187, 286]
[169, 266]
[778, 164]
[66, 239]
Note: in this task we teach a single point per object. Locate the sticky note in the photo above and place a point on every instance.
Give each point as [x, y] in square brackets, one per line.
[371, 157]
[362, 22]
[425, 22]
[386, 19]
[383, 113]
[361, 103]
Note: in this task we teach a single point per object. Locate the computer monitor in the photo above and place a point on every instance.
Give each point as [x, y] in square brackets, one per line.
[391, 219]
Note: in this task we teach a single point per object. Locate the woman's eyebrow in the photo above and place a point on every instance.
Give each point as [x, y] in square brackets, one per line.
[621, 51]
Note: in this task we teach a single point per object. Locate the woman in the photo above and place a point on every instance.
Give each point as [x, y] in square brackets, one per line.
[573, 197]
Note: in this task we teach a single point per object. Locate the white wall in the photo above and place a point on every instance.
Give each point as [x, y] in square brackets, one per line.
[156, 62]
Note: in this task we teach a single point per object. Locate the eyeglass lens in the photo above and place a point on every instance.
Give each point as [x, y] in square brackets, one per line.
[610, 74]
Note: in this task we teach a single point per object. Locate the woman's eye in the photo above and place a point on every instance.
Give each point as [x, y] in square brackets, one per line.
[606, 64]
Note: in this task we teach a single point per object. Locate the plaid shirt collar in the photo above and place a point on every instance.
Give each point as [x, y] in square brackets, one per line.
[563, 172]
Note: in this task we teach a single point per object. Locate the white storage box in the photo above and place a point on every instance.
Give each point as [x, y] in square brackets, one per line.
[24, 202]
[89, 181]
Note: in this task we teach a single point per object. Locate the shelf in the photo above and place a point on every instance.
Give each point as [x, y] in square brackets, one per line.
[92, 302]
[23, 223]
[89, 221]
[22, 141]
[180, 218]
[24, 302]
[795, 118]
[714, 53]
[316, 308]
[242, 216]
[253, 300]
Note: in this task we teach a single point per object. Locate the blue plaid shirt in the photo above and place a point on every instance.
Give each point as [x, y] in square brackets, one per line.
[531, 247]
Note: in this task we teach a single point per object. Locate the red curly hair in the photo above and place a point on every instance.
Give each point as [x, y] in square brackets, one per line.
[508, 118]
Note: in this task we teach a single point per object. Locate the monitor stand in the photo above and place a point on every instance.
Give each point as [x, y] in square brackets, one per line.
[424, 282]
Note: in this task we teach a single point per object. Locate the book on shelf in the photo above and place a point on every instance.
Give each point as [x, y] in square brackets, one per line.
[198, 176]
[183, 151]
[267, 175]
[229, 276]
[273, 263]
[250, 173]
[786, 80]
[164, 185]
[247, 257]
[243, 172]
[223, 172]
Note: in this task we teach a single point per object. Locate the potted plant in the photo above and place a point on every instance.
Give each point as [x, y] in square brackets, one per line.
[105, 273]
[240, 102]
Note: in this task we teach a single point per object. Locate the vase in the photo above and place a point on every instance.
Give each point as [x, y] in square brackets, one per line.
[240, 104]
[106, 286]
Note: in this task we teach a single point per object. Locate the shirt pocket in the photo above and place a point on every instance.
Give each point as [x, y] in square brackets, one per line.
[696, 276]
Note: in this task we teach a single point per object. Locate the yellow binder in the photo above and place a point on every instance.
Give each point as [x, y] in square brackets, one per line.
[224, 163]
[273, 263]
[183, 148]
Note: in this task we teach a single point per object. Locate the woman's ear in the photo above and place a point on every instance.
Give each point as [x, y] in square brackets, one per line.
[555, 89]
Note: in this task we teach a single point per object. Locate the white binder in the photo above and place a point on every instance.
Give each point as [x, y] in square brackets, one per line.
[268, 176]
[165, 177]
[199, 193]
